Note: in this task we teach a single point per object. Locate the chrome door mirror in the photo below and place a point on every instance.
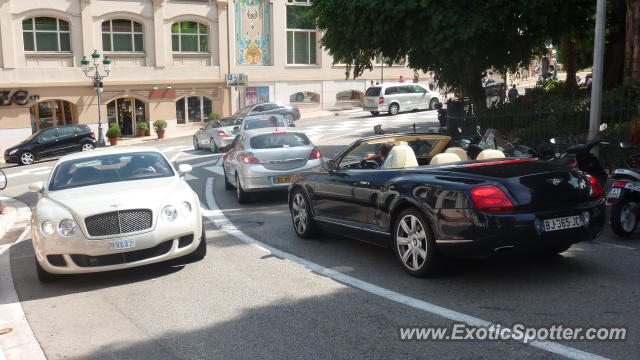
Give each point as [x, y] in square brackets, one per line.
[626, 145]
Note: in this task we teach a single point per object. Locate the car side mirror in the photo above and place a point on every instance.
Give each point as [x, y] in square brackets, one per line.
[36, 187]
[201, 129]
[184, 169]
[236, 128]
[331, 165]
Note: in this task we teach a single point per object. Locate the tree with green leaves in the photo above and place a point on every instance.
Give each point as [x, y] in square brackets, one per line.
[458, 40]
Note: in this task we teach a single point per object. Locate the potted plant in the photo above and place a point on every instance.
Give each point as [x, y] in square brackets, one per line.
[143, 128]
[214, 116]
[159, 126]
[114, 133]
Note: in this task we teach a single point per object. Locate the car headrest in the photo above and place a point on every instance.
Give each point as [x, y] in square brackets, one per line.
[458, 151]
[400, 156]
[445, 158]
[490, 154]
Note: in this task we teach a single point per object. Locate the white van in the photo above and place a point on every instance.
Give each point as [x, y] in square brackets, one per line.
[396, 97]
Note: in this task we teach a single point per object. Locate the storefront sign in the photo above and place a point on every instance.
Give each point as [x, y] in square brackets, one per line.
[18, 97]
[255, 95]
[237, 80]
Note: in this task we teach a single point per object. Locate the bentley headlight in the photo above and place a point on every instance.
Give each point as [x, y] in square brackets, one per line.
[169, 213]
[47, 228]
[185, 209]
[13, 151]
[67, 227]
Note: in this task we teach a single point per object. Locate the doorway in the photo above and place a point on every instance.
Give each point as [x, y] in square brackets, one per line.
[128, 113]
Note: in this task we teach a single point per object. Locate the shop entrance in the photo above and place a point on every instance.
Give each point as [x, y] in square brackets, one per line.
[128, 113]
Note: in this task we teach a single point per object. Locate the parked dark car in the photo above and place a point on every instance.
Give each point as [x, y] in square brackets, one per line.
[426, 209]
[290, 113]
[50, 142]
[493, 87]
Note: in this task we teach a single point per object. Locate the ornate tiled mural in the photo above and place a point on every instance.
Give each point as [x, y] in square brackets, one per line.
[253, 32]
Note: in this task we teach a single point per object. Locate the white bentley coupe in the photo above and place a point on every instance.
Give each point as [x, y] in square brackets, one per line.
[112, 209]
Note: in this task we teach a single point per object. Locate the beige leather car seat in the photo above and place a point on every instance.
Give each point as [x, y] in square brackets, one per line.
[458, 151]
[400, 156]
[444, 158]
[490, 154]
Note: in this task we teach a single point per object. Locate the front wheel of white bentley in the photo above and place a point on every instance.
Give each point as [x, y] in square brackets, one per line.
[414, 244]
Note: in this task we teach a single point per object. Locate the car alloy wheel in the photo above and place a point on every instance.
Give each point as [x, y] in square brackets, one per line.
[243, 196]
[414, 244]
[624, 217]
[432, 103]
[300, 209]
[394, 109]
[196, 144]
[27, 158]
[87, 147]
[212, 146]
[628, 217]
[299, 212]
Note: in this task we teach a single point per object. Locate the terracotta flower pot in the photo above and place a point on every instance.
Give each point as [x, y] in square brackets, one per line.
[113, 141]
[142, 132]
[160, 134]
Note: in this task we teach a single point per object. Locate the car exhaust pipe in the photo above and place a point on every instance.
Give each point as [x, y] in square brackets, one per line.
[502, 249]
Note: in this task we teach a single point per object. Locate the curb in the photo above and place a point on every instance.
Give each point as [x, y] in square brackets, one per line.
[20, 343]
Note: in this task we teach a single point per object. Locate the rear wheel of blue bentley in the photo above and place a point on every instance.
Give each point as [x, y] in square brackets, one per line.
[414, 243]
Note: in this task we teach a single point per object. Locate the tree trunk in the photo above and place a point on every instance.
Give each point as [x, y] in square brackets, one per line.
[572, 61]
[632, 46]
[474, 90]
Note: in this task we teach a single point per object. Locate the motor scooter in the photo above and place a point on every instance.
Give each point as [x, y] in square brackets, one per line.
[624, 197]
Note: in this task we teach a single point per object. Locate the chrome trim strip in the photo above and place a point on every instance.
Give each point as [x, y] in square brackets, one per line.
[319, 218]
[453, 241]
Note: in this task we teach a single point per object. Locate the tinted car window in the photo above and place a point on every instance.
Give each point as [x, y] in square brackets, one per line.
[272, 121]
[278, 140]
[419, 89]
[391, 91]
[408, 89]
[65, 131]
[258, 108]
[373, 91]
[77, 130]
[268, 107]
[47, 135]
[109, 168]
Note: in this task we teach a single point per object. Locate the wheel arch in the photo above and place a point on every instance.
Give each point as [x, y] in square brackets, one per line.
[404, 204]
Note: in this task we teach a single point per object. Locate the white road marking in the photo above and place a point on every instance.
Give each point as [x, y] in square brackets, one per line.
[21, 342]
[215, 215]
[189, 177]
[215, 169]
[207, 162]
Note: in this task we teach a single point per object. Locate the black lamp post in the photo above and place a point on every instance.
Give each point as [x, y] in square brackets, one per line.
[97, 78]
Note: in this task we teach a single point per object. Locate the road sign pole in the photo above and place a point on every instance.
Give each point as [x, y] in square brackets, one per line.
[596, 79]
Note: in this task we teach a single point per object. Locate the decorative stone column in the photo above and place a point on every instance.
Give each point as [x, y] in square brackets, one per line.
[159, 33]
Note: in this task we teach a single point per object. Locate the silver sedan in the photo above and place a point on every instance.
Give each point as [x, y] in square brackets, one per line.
[267, 159]
[217, 135]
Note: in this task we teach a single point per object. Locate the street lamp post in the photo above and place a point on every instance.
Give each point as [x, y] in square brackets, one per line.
[97, 78]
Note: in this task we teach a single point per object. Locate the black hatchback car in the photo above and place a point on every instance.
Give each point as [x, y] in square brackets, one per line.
[50, 142]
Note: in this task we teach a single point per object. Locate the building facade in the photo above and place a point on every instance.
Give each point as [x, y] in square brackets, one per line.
[170, 61]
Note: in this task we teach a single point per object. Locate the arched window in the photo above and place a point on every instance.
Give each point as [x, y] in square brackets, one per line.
[122, 35]
[193, 109]
[304, 97]
[46, 34]
[189, 36]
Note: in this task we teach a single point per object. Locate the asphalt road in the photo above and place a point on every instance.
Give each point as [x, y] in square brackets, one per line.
[242, 302]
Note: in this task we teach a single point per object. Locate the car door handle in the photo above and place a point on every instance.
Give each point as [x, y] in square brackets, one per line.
[364, 183]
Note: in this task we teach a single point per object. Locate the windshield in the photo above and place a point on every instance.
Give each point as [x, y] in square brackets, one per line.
[259, 123]
[109, 168]
[279, 140]
[373, 91]
[229, 122]
[244, 110]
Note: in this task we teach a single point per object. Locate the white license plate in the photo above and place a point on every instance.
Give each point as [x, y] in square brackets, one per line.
[614, 193]
[122, 244]
[562, 223]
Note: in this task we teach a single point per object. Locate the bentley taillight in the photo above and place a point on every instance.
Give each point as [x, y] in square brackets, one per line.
[491, 198]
